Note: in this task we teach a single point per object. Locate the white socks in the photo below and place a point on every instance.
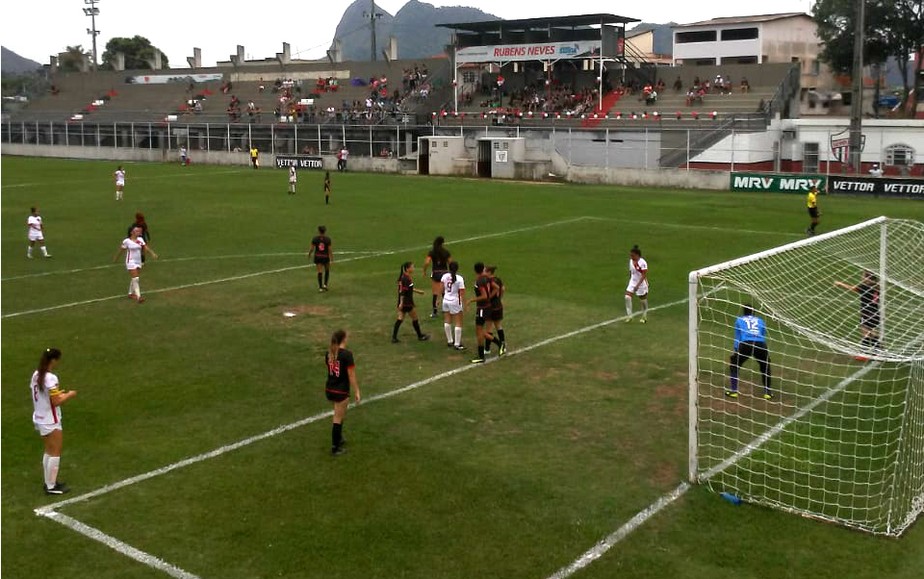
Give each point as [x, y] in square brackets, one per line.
[644, 307]
[134, 287]
[458, 336]
[447, 328]
[44, 250]
[118, 195]
[50, 466]
[29, 252]
[628, 305]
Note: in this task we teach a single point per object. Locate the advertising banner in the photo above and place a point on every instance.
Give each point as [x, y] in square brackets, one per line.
[884, 186]
[524, 52]
[170, 78]
[299, 162]
[776, 183]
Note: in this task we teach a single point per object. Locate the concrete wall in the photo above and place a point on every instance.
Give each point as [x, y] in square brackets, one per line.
[242, 159]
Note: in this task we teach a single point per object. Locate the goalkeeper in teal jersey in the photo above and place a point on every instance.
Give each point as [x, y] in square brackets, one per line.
[750, 342]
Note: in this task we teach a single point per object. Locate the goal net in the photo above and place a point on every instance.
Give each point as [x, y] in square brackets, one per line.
[839, 435]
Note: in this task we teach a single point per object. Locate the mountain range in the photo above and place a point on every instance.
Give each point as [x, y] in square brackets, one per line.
[12, 63]
[414, 27]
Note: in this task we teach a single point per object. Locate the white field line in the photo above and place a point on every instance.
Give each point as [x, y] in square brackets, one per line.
[132, 179]
[117, 545]
[621, 533]
[51, 511]
[311, 419]
[290, 268]
[603, 546]
[176, 259]
[698, 227]
[760, 440]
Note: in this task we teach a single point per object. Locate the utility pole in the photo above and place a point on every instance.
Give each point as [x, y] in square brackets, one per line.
[92, 11]
[856, 102]
[372, 15]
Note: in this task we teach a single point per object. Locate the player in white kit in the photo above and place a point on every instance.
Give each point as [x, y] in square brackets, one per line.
[638, 283]
[133, 246]
[47, 397]
[119, 182]
[36, 233]
[453, 298]
[293, 179]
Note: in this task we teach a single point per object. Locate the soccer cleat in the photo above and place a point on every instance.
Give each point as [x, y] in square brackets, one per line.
[643, 320]
[140, 300]
[47, 255]
[337, 450]
[423, 337]
[478, 361]
[394, 340]
[503, 349]
[324, 287]
[59, 489]
[768, 396]
[627, 319]
[450, 345]
[731, 393]
[433, 314]
[28, 257]
[131, 296]
[460, 347]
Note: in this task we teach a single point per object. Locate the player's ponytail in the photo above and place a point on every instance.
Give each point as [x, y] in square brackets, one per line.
[44, 362]
[404, 268]
[453, 269]
[336, 339]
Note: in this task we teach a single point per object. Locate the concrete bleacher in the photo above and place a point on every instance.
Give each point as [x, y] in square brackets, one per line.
[138, 102]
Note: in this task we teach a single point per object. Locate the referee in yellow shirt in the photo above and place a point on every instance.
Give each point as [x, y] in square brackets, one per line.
[811, 201]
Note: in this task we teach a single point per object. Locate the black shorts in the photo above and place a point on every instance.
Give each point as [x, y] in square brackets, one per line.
[813, 212]
[496, 315]
[336, 395]
[482, 315]
[870, 322]
[438, 276]
[406, 309]
[321, 260]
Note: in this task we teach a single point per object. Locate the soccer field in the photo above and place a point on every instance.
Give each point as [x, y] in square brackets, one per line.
[199, 440]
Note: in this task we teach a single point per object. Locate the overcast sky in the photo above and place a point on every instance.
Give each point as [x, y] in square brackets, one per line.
[37, 29]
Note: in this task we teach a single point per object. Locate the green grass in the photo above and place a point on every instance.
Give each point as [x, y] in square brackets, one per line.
[508, 470]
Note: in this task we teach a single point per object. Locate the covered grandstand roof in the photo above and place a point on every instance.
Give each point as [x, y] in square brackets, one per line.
[544, 22]
[744, 19]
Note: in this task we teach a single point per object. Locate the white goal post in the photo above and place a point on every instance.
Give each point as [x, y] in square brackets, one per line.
[834, 428]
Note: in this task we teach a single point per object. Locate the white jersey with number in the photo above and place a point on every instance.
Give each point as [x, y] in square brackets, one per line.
[293, 175]
[43, 411]
[35, 228]
[452, 300]
[637, 283]
[133, 251]
[120, 177]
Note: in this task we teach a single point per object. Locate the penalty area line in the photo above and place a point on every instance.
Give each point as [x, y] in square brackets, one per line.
[320, 416]
[289, 268]
[119, 546]
[51, 511]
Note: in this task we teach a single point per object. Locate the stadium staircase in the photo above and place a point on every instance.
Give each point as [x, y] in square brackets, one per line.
[596, 117]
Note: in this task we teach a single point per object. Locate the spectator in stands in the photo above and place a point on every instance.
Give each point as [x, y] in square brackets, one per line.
[745, 85]
[342, 157]
[54, 89]
[261, 87]
[876, 171]
[651, 98]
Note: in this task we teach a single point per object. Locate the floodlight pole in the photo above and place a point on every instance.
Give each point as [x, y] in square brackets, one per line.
[372, 16]
[856, 102]
[92, 11]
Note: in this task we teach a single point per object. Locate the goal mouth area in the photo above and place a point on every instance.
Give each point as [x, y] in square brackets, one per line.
[832, 426]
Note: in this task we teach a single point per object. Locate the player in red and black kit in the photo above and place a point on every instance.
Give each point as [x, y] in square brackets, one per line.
[341, 378]
[484, 288]
[323, 256]
[870, 316]
[495, 321]
[406, 291]
[438, 257]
